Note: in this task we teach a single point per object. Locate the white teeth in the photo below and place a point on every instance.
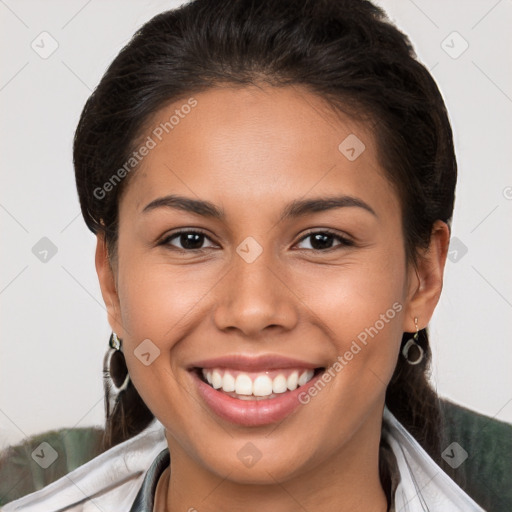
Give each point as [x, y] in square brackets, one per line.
[216, 379]
[279, 384]
[304, 377]
[261, 385]
[229, 383]
[243, 384]
[292, 381]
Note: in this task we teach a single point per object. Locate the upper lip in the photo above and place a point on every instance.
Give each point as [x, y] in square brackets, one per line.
[253, 363]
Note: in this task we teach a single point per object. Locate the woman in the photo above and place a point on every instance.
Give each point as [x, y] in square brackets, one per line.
[271, 185]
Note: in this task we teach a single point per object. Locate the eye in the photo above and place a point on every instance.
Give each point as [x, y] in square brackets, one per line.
[323, 240]
[189, 240]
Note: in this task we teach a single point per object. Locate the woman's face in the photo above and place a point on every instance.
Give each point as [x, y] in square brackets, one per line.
[252, 174]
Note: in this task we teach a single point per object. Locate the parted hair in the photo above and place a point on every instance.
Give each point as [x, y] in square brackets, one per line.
[346, 52]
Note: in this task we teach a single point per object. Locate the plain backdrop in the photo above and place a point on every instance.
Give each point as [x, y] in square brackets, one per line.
[53, 327]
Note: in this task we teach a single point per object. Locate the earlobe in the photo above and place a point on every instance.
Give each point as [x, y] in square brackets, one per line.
[108, 284]
[427, 278]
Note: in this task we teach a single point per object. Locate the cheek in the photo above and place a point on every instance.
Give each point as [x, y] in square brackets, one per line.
[155, 305]
[158, 300]
[362, 306]
[161, 303]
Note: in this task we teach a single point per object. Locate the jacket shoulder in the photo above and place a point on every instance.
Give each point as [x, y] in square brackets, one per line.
[109, 482]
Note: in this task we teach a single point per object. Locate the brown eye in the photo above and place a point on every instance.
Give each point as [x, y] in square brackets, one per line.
[187, 240]
[323, 240]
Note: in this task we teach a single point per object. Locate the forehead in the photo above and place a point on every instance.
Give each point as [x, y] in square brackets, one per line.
[247, 145]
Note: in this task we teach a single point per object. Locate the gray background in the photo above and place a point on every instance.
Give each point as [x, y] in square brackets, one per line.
[53, 327]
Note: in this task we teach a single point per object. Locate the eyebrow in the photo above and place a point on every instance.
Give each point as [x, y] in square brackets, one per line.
[296, 208]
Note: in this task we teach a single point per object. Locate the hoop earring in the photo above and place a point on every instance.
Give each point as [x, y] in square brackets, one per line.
[115, 365]
[413, 343]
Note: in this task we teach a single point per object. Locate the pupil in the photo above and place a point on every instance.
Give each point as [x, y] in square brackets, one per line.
[191, 240]
[321, 241]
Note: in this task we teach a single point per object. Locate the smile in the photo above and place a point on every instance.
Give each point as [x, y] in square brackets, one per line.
[252, 392]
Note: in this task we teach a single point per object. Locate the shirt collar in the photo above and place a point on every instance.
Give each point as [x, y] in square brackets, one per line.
[145, 498]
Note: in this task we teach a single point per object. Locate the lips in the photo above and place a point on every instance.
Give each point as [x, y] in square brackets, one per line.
[248, 363]
[253, 391]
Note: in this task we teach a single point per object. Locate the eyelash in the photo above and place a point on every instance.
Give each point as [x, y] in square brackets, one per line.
[344, 242]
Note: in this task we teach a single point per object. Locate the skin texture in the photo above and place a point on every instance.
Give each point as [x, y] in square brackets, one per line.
[251, 151]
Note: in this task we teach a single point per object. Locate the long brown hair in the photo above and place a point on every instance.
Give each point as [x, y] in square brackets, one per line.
[345, 51]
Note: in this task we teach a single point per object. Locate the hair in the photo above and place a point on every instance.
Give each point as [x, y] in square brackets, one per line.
[344, 51]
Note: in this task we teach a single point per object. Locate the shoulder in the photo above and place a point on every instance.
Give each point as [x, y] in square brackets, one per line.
[485, 444]
[108, 482]
[423, 484]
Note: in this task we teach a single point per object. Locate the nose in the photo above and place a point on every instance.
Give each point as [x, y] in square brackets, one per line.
[254, 299]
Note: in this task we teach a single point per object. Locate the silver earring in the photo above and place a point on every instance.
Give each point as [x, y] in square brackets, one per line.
[115, 365]
[412, 343]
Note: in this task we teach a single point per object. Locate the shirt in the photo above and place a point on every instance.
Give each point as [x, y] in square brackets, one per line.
[124, 478]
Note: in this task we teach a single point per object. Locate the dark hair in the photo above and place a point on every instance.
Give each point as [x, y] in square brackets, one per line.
[345, 51]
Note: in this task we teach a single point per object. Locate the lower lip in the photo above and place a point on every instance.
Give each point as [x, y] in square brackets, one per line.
[251, 413]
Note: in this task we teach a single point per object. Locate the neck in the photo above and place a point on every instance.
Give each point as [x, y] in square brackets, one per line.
[346, 480]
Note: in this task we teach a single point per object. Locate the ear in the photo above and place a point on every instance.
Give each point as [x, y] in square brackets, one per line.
[426, 279]
[108, 285]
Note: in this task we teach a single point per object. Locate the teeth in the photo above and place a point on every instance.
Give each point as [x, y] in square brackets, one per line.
[302, 379]
[262, 386]
[257, 385]
[292, 381]
[216, 379]
[243, 385]
[228, 382]
[279, 384]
